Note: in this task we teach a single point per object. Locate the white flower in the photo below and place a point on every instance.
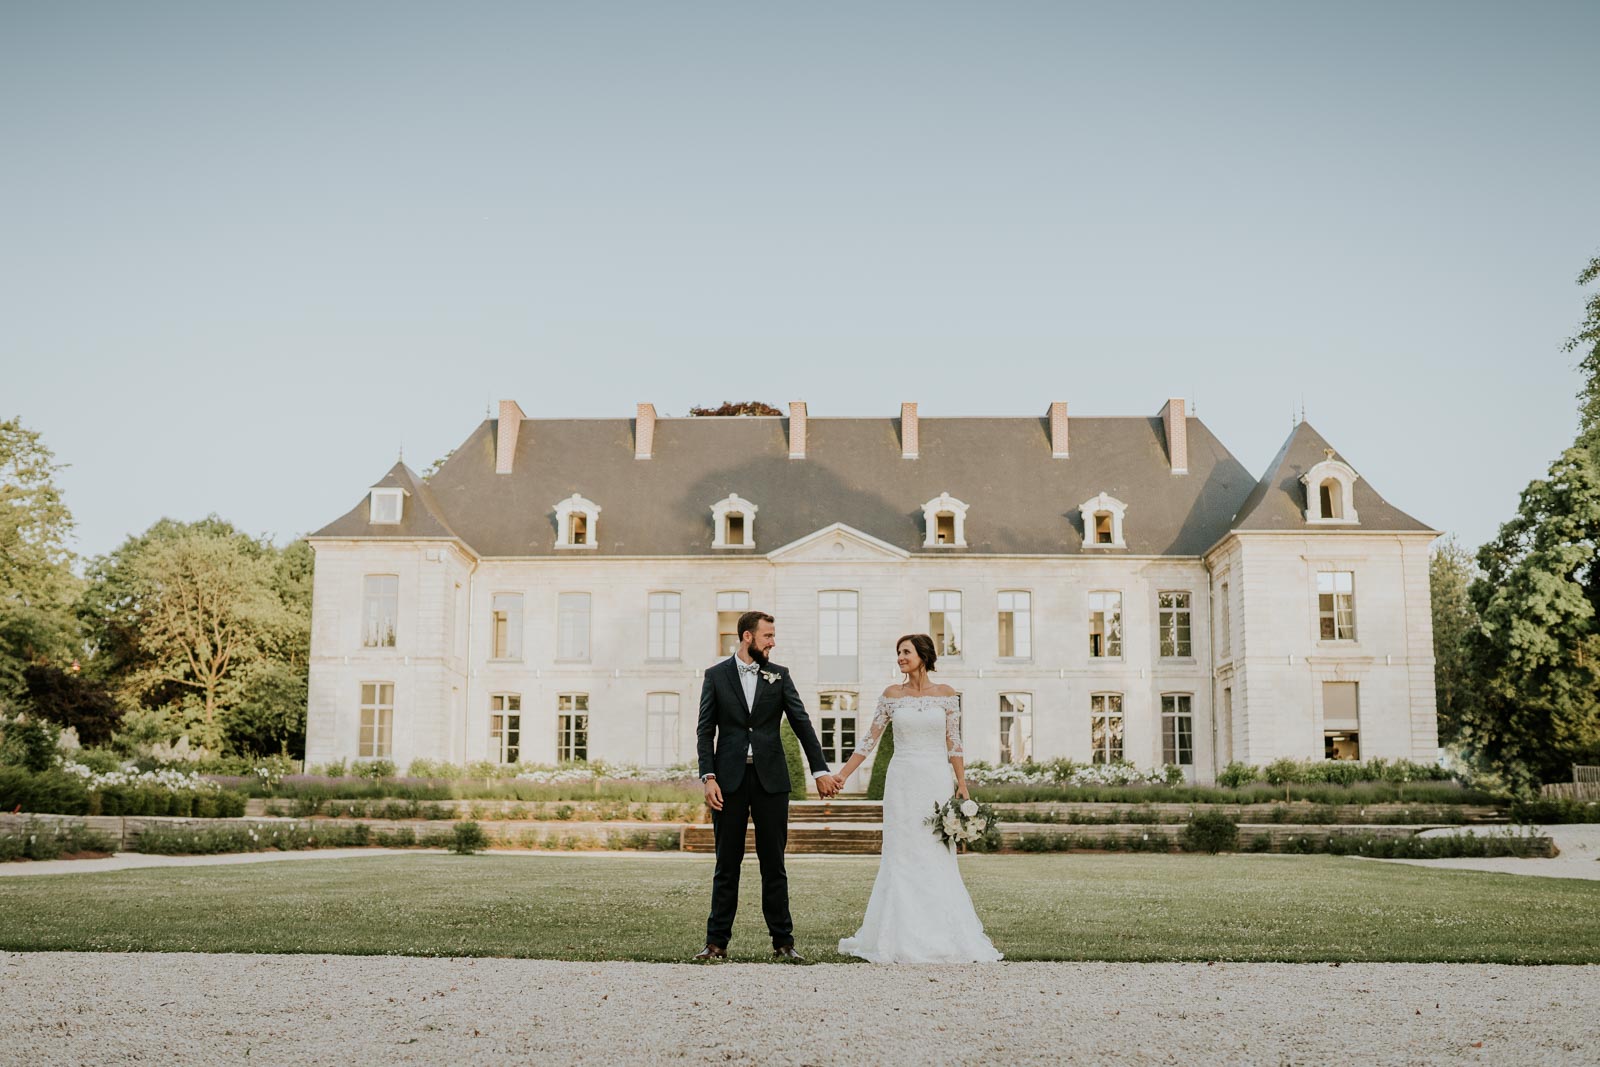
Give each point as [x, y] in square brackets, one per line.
[771, 677]
[969, 808]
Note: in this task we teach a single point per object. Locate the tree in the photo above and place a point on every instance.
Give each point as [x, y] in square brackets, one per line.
[742, 407]
[1587, 341]
[796, 761]
[67, 698]
[880, 764]
[209, 616]
[37, 585]
[1450, 574]
[1535, 653]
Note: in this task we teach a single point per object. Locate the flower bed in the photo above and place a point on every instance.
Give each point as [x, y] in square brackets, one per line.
[36, 840]
[1378, 846]
[322, 788]
[72, 789]
[1380, 792]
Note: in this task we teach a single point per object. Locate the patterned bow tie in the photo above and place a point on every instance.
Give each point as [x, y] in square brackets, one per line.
[748, 668]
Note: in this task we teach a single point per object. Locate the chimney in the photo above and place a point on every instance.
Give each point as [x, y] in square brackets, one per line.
[505, 444]
[644, 432]
[797, 429]
[908, 431]
[1177, 427]
[1058, 430]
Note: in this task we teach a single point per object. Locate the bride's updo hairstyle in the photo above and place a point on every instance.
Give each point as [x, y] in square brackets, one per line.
[923, 644]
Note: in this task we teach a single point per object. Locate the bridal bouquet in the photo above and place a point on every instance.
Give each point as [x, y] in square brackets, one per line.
[962, 821]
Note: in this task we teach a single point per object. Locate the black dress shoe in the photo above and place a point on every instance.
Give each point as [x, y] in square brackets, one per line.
[787, 954]
[712, 952]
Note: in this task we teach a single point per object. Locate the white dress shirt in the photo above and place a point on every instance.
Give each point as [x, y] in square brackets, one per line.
[749, 677]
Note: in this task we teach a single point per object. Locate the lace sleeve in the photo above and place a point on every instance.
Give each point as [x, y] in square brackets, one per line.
[879, 721]
[952, 728]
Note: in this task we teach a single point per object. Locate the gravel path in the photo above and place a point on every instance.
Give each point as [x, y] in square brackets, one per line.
[73, 1008]
[1578, 843]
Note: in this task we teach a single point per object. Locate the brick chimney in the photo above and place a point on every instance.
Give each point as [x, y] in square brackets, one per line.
[1058, 430]
[908, 431]
[505, 442]
[644, 432]
[1177, 427]
[797, 429]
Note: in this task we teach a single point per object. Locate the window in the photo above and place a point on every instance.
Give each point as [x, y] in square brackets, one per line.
[1105, 625]
[572, 728]
[1330, 492]
[944, 522]
[1105, 727]
[664, 626]
[572, 626]
[661, 729]
[1331, 497]
[836, 635]
[1177, 728]
[1016, 625]
[377, 720]
[505, 727]
[576, 519]
[1341, 720]
[385, 506]
[733, 522]
[505, 627]
[1336, 605]
[730, 606]
[944, 621]
[380, 602]
[1103, 522]
[1016, 727]
[1224, 626]
[1172, 615]
[836, 717]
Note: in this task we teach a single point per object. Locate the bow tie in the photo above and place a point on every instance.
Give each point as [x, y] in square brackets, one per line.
[747, 668]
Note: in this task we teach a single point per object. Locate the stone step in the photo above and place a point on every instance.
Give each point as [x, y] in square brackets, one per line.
[835, 811]
[850, 840]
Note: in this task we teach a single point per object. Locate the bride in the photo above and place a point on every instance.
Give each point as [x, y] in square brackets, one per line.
[920, 911]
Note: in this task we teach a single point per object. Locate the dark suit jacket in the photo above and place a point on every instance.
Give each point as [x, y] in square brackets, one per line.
[727, 728]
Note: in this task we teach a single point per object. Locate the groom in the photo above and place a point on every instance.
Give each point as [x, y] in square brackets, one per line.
[742, 704]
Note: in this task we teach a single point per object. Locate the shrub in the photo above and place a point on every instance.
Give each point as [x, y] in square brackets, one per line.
[42, 841]
[880, 764]
[1235, 775]
[468, 838]
[1555, 810]
[50, 792]
[1210, 831]
[374, 768]
[29, 742]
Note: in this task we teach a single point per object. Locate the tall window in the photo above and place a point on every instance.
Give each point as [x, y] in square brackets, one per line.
[1224, 624]
[505, 627]
[505, 726]
[1016, 727]
[661, 729]
[1336, 605]
[944, 621]
[1177, 728]
[1341, 720]
[1172, 615]
[572, 727]
[1016, 625]
[572, 626]
[1105, 727]
[380, 602]
[664, 626]
[377, 720]
[1105, 625]
[837, 635]
[836, 715]
[730, 606]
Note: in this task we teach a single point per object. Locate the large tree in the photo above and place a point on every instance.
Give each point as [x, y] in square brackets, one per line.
[1450, 576]
[37, 585]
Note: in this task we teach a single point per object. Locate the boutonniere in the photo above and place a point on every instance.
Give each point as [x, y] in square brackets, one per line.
[771, 677]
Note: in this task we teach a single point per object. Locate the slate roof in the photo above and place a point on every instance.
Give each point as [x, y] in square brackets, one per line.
[1278, 501]
[1020, 499]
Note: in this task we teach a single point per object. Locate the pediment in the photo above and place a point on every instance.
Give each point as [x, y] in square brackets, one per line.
[838, 544]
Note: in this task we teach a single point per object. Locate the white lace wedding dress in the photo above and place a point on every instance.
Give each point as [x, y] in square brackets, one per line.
[920, 911]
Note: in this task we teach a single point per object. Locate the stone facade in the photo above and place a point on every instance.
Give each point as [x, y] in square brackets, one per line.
[1253, 696]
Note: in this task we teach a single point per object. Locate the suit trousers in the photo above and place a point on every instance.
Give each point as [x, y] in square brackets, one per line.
[770, 813]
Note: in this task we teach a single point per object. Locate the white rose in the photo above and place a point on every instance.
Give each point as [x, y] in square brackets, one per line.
[969, 808]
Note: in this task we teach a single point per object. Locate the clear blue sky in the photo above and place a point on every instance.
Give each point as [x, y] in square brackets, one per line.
[247, 252]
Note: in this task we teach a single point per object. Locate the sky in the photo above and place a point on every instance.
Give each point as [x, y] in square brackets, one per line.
[251, 253]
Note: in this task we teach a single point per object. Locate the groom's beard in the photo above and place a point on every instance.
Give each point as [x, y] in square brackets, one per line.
[758, 655]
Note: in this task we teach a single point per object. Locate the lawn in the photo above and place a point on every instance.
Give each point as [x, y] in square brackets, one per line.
[653, 907]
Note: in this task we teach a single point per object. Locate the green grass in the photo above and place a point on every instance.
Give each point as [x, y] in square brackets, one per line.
[1075, 907]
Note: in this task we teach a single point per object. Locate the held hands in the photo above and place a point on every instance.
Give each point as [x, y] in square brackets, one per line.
[828, 785]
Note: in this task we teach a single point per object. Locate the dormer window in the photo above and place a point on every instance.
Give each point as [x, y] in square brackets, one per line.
[733, 521]
[386, 506]
[944, 521]
[1102, 522]
[576, 522]
[1330, 492]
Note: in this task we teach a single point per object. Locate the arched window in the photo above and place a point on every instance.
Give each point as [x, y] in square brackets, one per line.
[1102, 522]
[576, 522]
[1330, 492]
[733, 520]
[944, 522]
